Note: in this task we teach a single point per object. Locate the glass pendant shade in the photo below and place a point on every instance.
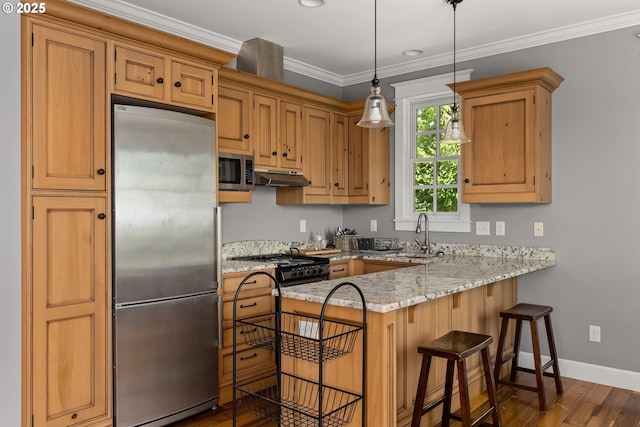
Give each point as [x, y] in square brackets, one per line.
[454, 133]
[375, 113]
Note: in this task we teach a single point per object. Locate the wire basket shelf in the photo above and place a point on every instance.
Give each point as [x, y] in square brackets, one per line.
[294, 401]
[298, 336]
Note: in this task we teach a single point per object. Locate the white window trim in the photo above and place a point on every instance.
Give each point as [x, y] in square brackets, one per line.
[406, 94]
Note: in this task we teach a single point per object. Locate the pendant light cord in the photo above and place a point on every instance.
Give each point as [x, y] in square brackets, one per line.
[454, 51]
[375, 80]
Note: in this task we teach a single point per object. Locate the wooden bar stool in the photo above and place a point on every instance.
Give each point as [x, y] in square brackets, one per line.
[456, 346]
[531, 313]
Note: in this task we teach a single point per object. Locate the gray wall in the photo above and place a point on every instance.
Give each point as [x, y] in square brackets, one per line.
[596, 201]
[10, 221]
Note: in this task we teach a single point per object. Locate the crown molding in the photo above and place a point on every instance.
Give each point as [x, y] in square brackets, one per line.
[173, 26]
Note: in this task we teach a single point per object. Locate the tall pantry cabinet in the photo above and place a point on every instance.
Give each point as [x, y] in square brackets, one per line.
[69, 74]
[67, 194]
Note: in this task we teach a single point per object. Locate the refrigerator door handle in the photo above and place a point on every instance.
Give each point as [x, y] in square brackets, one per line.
[217, 212]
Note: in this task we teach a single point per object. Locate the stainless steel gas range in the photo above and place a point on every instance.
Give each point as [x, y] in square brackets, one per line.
[293, 269]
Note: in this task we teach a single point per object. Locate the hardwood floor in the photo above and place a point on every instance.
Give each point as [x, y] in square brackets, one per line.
[583, 404]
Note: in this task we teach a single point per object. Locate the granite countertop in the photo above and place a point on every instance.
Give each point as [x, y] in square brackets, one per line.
[394, 289]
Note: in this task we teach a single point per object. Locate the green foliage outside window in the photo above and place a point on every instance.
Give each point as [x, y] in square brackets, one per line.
[435, 168]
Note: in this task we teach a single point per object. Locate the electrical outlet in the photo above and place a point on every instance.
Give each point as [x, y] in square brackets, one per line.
[538, 229]
[303, 225]
[500, 228]
[483, 228]
[594, 333]
[373, 225]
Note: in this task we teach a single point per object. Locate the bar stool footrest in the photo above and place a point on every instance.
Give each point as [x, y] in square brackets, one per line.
[518, 385]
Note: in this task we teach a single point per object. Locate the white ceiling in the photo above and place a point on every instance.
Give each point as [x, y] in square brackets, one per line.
[335, 42]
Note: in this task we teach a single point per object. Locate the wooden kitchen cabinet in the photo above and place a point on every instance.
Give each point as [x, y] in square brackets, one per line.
[369, 181]
[67, 82]
[340, 167]
[339, 269]
[290, 146]
[255, 299]
[70, 319]
[508, 119]
[159, 77]
[234, 122]
[265, 131]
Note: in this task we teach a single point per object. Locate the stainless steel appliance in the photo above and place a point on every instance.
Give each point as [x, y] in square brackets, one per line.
[292, 269]
[166, 266]
[235, 172]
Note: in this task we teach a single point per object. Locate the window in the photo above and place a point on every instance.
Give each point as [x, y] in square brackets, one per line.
[426, 172]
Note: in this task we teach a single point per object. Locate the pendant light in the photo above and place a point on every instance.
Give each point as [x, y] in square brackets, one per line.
[375, 113]
[454, 133]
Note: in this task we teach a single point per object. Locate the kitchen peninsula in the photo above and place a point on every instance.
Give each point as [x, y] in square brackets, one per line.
[406, 307]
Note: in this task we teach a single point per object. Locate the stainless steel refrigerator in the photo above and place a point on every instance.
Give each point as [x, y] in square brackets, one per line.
[166, 266]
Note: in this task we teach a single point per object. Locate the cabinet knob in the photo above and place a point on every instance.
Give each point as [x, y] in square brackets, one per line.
[100, 171]
[160, 80]
[466, 180]
[337, 184]
[177, 84]
[101, 216]
[246, 136]
[74, 416]
[284, 154]
[274, 153]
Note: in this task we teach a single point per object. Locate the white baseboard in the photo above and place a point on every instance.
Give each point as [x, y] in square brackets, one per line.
[619, 378]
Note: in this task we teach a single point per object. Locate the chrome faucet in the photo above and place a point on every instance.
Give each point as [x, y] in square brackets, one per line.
[425, 247]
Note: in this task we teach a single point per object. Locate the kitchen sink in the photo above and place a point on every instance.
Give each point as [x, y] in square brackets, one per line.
[439, 254]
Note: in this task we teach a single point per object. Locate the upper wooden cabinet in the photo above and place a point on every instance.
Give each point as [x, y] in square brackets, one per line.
[234, 122]
[155, 76]
[508, 119]
[68, 102]
[290, 136]
[340, 158]
[368, 164]
[265, 130]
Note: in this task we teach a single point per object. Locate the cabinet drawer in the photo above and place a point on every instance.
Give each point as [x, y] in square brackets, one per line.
[231, 282]
[247, 360]
[227, 334]
[141, 73]
[338, 270]
[247, 307]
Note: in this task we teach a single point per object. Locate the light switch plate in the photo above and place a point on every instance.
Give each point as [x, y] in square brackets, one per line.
[303, 225]
[500, 228]
[373, 225]
[483, 228]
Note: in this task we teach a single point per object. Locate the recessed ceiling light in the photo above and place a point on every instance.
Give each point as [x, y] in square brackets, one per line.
[311, 3]
[412, 52]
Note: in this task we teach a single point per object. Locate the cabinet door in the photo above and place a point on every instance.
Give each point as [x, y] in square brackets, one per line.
[140, 73]
[71, 339]
[501, 157]
[233, 123]
[317, 140]
[290, 139]
[192, 85]
[265, 131]
[68, 103]
[358, 159]
[340, 156]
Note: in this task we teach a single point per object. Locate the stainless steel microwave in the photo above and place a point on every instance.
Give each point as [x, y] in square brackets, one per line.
[235, 172]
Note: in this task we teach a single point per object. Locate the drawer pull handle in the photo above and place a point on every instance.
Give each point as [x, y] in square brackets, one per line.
[248, 332]
[250, 305]
[253, 282]
[338, 270]
[249, 357]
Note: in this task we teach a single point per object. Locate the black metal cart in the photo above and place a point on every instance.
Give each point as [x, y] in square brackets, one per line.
[287, 399]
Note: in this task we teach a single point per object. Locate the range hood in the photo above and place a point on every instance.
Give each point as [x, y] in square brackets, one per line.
[280, 178]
